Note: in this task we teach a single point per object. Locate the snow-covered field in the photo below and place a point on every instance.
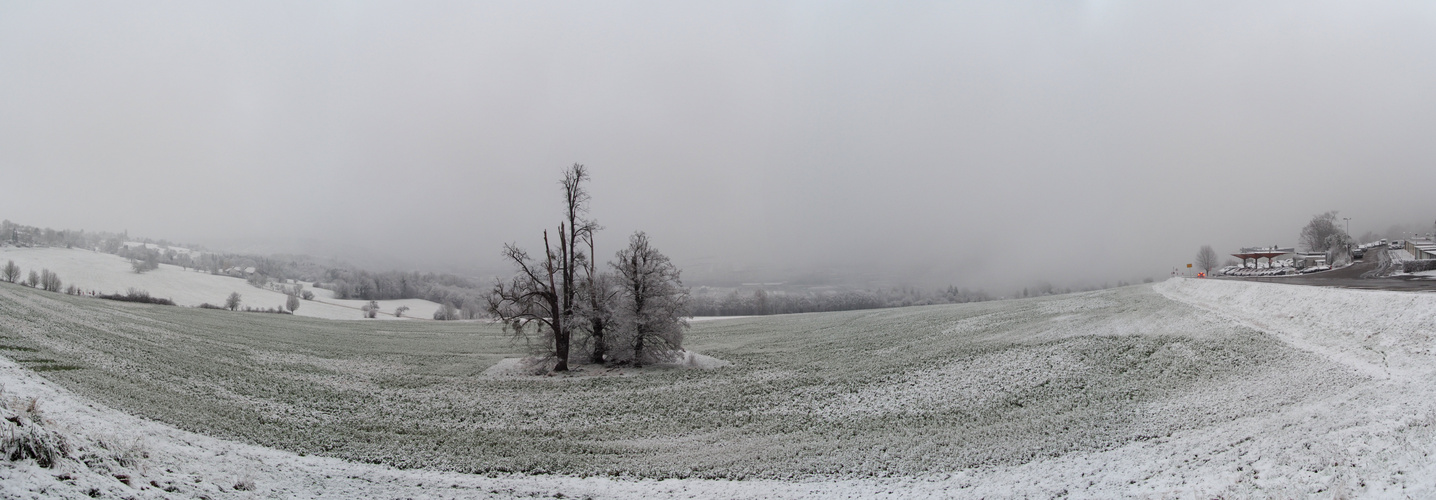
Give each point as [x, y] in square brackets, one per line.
[1189, 388]
[105, 273]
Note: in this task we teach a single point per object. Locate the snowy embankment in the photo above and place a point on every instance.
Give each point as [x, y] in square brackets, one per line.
[106, 273]
[1382, 334]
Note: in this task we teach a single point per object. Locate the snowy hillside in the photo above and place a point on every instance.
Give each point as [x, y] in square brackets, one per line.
[1189, 388]
[105, 273]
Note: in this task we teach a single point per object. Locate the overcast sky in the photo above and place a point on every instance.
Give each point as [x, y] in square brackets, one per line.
[984, 144]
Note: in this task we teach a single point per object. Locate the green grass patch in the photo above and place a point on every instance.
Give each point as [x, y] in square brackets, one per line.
[54, 368]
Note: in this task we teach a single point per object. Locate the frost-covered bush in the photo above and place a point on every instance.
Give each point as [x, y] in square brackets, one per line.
[136, 295]
[1416, 266]
[23, 434]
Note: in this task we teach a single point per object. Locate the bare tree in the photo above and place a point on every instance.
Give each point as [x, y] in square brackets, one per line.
[1206, 259]
[532, 299]
[471, 309]
[446, 312]
[291, 303]
[1316, 236]
[572, 258]
[148, 261]
[1338, 249]
[600, 291]
[653, 306]
[11, 272]
[33, 279]
[232, 303]
[371, 310]
[49, 281]
[399, 311]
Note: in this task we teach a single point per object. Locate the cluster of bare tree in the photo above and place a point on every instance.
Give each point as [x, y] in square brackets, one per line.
[45, 280]
[632, 313]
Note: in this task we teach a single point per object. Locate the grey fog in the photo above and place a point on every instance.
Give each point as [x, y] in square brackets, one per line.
[977, 144]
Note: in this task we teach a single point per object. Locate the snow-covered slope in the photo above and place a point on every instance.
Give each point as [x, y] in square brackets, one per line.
[105, 273]
[1373, 435]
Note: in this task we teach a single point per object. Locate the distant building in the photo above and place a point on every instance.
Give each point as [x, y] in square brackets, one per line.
[1271, 254]
[1421, 249]
[1305, 260]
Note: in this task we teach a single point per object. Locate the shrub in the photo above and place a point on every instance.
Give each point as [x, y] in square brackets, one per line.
[269, 310]
[23, 436]
[446, 312]
[146, 264]
[1416, 266]
[141, 296]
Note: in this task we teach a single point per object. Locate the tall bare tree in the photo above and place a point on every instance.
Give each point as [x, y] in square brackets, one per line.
[653, 307]
[1317, 235]
[532, 299]
[572, 259]
[1206, 259]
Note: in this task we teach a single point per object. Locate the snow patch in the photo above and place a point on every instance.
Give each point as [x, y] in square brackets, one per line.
[540, 366]
[105, 273]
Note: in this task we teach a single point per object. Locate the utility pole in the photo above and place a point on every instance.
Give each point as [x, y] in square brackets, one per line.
[1348, 225]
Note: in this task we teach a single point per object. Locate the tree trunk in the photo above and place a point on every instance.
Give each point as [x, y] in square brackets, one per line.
[595, 323]
[560, 334]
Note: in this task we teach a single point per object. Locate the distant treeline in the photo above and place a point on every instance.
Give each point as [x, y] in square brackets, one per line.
[705, 301]
[31, 236]
[462, 296]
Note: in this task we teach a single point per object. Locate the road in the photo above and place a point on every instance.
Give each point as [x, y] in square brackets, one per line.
[1347, 277]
